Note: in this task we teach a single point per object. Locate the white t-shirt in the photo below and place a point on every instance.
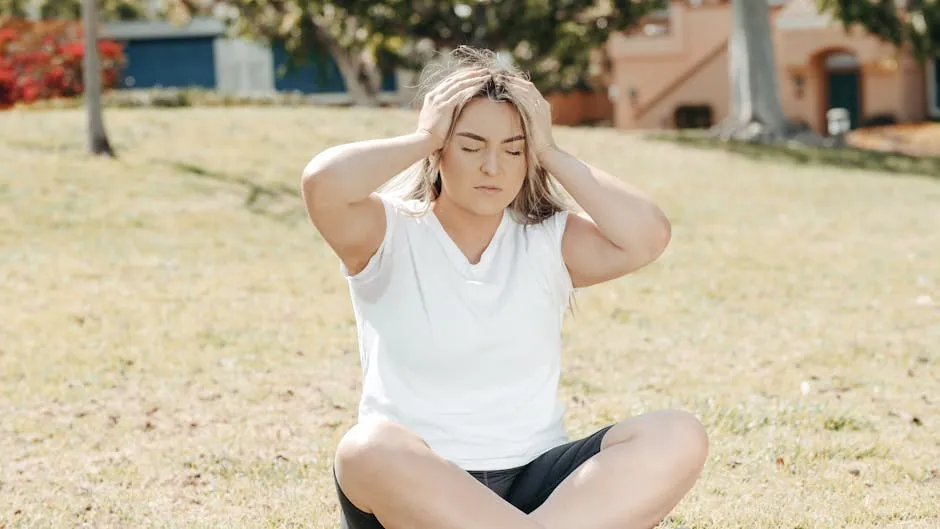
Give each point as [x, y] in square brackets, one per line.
[467, 356]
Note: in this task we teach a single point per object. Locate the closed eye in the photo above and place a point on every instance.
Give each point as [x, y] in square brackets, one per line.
[514, 153]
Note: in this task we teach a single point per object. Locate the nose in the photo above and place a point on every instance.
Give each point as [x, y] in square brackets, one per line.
[490, 163]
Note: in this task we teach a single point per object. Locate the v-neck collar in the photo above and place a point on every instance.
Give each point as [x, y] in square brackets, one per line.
[456, 255]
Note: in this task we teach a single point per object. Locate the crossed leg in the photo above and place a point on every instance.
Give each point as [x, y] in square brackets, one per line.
[646, 465]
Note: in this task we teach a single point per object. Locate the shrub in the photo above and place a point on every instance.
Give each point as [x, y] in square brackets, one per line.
[43, 60]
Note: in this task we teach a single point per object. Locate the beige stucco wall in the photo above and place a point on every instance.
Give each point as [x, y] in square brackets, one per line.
[709, 86]
[646, 66]
[890, 82]
[884, 88]
[913, 91]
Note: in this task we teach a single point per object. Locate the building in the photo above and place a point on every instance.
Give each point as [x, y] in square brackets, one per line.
[200, 55]
[673, 71]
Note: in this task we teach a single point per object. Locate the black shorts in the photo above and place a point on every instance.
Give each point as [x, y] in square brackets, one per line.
[524, 487]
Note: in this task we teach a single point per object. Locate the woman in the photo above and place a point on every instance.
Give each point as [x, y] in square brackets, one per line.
[460, 271]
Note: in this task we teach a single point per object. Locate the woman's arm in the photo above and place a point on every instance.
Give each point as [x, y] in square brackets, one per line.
[337, 185]
[622, 230]
[349, 173]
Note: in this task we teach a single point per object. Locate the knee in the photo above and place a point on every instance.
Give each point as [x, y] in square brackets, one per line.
[369, 447]
[685, 440]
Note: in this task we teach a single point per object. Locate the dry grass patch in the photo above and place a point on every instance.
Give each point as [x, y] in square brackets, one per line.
[177, 347]
[916, 139]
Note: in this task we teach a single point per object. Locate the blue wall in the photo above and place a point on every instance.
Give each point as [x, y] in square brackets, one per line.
[190, 62]
[310, 78]
[170, 62]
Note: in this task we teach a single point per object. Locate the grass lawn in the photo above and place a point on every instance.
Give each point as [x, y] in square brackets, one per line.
[177, 347]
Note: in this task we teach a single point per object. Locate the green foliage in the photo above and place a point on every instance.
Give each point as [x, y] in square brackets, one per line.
[914, 23]
[72, 9]
[553, 39]
[13, 8]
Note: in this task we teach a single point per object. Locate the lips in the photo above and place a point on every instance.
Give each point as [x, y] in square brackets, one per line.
[489, 189]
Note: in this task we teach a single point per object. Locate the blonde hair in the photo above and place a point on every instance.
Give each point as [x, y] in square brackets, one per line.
[540, 196]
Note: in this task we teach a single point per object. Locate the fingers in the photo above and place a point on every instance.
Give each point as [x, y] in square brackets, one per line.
[456, 77]
[526, 87]
[459, 88]
[462, 82]
[520, 81]
[527, 92]
[468, 74]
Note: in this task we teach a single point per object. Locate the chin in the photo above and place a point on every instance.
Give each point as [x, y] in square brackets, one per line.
[488, 207]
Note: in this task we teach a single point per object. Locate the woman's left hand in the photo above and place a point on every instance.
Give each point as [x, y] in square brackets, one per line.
[541, 117]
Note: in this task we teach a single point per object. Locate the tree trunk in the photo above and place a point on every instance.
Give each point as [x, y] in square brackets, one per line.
[97, 138]
[756, 113]
[362, 79]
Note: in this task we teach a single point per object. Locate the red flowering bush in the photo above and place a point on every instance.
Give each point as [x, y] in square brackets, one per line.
[43, 60]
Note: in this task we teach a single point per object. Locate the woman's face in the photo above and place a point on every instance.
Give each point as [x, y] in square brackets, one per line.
[484, 164]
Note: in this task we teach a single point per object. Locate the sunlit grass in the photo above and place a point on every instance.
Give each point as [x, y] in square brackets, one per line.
[177, 347]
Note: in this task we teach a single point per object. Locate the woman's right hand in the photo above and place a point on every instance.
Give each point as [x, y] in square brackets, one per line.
[437, 113]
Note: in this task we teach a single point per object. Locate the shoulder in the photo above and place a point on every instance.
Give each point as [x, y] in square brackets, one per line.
[549, 230]
[400, 214]
[543, 242]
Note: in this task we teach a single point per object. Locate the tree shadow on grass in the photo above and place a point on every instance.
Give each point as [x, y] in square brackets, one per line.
[845, 157]
[278, 202]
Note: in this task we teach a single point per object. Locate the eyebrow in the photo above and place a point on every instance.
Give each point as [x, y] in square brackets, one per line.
[481, 138]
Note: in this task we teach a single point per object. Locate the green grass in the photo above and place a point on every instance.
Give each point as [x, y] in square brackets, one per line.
[177, 347]
[847, 158]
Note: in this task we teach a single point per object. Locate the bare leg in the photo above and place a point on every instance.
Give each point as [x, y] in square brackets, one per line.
[645, 467]
[386, 470]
